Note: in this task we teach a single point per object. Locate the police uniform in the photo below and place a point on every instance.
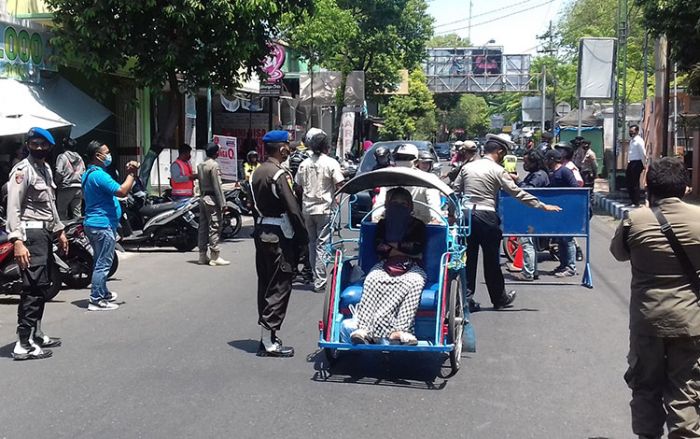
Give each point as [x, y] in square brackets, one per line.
[479, 182]
[211, 203]
[664, 355]
[279, 235]
[33, 219]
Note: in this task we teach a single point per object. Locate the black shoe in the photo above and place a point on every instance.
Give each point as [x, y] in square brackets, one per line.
[507, 302]
[47, 342]
[277, 350]
[579, 254]
[474, 306]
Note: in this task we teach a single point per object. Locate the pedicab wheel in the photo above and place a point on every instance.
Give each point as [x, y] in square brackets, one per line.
[455, 323]
[510, 247]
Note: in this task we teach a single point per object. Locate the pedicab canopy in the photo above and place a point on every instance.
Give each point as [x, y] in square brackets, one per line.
[393, 177]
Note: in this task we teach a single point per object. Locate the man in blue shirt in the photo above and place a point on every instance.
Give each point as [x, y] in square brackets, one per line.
[102, 212]
[561, 176]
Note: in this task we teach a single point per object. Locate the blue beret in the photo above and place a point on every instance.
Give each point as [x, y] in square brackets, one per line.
[276, 136]
[40, 132]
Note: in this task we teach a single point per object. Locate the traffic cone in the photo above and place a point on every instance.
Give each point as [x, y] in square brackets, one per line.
[518, 260]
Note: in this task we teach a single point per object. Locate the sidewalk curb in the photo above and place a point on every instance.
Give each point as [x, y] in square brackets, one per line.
[615, 208]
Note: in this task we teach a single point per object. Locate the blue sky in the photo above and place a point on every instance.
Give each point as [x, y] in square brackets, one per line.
[492, 19]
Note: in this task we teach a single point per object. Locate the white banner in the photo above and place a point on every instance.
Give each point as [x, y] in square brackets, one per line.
[596, 68]
[228, 157]
[347, 131]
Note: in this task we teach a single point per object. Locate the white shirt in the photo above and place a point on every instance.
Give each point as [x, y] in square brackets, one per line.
[318, 175]
[637, 149]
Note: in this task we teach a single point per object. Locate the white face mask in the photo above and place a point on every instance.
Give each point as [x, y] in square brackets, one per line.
[404, 163]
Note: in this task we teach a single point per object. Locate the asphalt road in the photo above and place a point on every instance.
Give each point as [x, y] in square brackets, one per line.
[178, 360]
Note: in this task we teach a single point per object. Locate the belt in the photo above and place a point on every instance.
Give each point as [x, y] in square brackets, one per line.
[34, 224]
[482, 207]
[272, 221]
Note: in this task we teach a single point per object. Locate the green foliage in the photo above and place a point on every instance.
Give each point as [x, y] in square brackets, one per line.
[403, 112]
[679, 20]
[448, 40]
[471, 114]
[201, 43]
[509, 105]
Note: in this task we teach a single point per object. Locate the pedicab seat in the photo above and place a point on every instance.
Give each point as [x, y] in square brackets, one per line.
[435, 247]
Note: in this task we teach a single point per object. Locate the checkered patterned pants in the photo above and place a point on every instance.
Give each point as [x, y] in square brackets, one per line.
[389, 303]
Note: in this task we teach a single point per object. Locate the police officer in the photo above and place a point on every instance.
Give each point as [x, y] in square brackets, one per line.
[32, 220]
[211, 205]
[479, 182]
[279, 237]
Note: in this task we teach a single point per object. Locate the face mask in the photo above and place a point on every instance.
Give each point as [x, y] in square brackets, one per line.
[397, 218]
[39, 153]
[404, 163]
[107, 160]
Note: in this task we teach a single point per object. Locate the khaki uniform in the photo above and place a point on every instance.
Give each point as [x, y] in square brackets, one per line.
[278, 241]
[33, 219]
[211, 204]
[664, 356]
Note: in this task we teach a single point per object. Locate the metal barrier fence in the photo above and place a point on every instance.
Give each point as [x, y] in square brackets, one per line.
[518, 219]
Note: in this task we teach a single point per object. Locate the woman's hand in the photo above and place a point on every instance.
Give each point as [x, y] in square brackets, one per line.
[22, 255]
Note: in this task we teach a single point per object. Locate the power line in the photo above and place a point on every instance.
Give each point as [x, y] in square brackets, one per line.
[496, 19]
[483, 13]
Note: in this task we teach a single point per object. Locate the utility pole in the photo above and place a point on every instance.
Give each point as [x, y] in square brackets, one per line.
[549, 49]
[544, 96]
[620, 100]
[469, 29]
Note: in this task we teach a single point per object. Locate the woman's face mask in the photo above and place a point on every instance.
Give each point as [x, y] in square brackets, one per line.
[397, 217]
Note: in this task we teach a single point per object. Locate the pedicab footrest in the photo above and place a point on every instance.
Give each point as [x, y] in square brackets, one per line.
[422, 346]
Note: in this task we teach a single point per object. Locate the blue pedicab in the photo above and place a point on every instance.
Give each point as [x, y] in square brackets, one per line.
[442, 320]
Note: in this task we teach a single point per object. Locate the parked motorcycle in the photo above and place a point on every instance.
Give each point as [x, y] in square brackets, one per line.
[160, 225]
[80, 258]
[241, 197]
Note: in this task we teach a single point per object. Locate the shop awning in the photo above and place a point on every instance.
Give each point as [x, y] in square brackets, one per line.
[56, 103]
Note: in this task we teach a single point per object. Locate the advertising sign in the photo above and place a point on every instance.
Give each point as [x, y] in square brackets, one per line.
[273, 63]
[596, 68]
[347, 127]
[271, 90]
[228, 157]
[24, 53]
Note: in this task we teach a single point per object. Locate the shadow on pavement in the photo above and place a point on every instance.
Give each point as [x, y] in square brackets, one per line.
[398, 369]
[6, 351]
[9, 300]
[248, 345]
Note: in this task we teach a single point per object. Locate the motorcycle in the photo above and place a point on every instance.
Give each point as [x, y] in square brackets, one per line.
[80, 258]
[241, 197]
[160, 225]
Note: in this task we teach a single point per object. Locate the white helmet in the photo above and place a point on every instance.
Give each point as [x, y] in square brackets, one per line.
[406, 151]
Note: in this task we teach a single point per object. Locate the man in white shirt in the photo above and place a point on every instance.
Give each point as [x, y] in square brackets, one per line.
[319, 177]
[636, 162]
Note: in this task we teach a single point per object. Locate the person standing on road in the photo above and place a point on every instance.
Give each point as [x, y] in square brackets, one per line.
[585, 160]
[69, 171]
[32, 220]
[636, 162]
[479, 183]
[181, 175]
[296, 158]
[102, 213]
[664, 353]
[319, 177]
[561, 176]
[211, 207]
[546, 142]
[279, 236]
[533, 163]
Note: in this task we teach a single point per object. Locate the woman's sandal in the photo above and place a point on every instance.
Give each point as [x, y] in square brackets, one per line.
[403, 338]
[360, 336]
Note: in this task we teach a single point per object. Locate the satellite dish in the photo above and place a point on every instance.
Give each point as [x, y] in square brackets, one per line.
[563, 108]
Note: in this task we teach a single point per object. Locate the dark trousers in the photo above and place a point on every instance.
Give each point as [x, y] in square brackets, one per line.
[486, 234]
[36, 280]
[632, 174]
[274, 261]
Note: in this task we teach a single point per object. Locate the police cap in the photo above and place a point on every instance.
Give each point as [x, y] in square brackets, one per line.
[40, 133]
[276, 136]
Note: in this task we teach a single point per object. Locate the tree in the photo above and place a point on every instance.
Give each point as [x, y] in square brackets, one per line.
[179, 44]
[448, 40]
[470, 114]
[679, 20]
[402, 113]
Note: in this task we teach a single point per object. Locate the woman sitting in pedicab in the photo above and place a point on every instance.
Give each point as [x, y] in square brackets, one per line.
[393, 287]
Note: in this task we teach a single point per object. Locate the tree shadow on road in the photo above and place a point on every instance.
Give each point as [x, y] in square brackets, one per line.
[248, 345]
[6, 351]
[398, 369]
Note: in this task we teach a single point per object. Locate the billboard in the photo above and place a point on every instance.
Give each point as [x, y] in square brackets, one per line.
[596, 68]
[24, 52]
[228, 157]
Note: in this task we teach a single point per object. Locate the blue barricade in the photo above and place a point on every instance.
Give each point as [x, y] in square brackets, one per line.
[518, 219]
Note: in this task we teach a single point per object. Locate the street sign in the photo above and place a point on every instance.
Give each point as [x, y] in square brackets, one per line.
[563, 108]
[271, 90]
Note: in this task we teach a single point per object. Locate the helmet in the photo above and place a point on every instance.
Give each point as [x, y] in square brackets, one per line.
[425, 156]
[459, 144]
[502, 139]
[317, 140]
[382, 155]
[566, 149]
[252, 153]
[295, 161]
[469, 146]
[405, 151]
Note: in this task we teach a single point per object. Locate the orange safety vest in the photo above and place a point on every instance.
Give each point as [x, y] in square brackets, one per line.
[184, 189]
